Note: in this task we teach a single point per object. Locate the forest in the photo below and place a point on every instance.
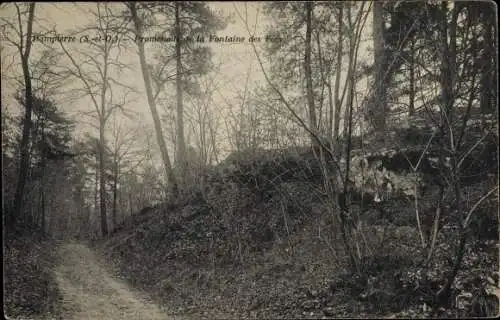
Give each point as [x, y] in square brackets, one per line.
[250, 160]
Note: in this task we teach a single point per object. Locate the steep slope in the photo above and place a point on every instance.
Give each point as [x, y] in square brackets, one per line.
[258, 240]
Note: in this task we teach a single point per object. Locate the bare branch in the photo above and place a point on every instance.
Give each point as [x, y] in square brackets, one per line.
[466, 222]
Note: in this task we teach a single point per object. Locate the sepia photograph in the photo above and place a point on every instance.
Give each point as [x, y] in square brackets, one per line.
[249, 160]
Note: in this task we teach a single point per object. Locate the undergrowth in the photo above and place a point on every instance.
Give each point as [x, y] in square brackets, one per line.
[30, 288]
[234, 251]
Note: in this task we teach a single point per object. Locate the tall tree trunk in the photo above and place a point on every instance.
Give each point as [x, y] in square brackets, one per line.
[115, 193]
[350, 69]
[44, 179]
[448, 61]
[411, 97]
[448, 74]
[488, 77]
[130, 205]
[181, 144]
[42, 224]
[379, 104]
[96, 186]
[50, 224]
[321, 67]
[331, 107]
[338, 105]
[102, 182]
[152, 105]
[102, 147]
[308, 73]
[25, 140]
[494, 75]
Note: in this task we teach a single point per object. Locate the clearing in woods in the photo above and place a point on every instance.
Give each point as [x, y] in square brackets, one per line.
[90, 292]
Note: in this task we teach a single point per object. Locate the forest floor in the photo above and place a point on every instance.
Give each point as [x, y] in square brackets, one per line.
[175, 258]
[90, 292]
[30, 288]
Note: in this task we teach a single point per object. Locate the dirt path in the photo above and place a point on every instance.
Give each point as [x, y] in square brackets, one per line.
[91, 293]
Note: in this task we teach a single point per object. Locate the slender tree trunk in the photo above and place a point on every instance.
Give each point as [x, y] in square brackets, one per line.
[349, 221]
[152, 105]
[331, 107]
[42, 225]
[102, 182]
[338, 106]
[308, 73]
[121, 201]
[50, 224]
[43, 183]
[115, 193]
[448, 73]
[350, 70]
[38, 220]
[322, 78]
[488, 78]
[448, 62]
[411, 108]
[181, 144]
[494, 74]
[102, 147]
[379, 103]
[96, 186]
[25, 140]
[130, 205]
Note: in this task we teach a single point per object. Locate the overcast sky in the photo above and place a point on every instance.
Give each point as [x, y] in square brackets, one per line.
[236, 61]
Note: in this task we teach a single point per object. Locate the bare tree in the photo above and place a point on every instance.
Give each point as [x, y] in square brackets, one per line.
[338, 72]
[138, 25]
[307, 70]
[453, 156]
[123, 150]
[181, 144]
[23, 44]
[337, 180]
[379, 103]
[96, 70]
[204, 121]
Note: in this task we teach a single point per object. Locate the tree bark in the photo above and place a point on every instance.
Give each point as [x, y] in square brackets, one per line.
[115, 193]
[308, 73]
[43, 166]
[96, 185]
[448, 73]
[338, 106]
[379, 104]
[321, 67]
[488, 63]
[102, 148]
[25, 140]
[331, 107]
[181, 145]
[102, 182]
[411, 97]
[42, 224]
[130, 205]
[152, 105]
[448, 62]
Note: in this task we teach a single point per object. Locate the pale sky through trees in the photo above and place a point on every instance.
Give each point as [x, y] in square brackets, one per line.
[235, 61]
